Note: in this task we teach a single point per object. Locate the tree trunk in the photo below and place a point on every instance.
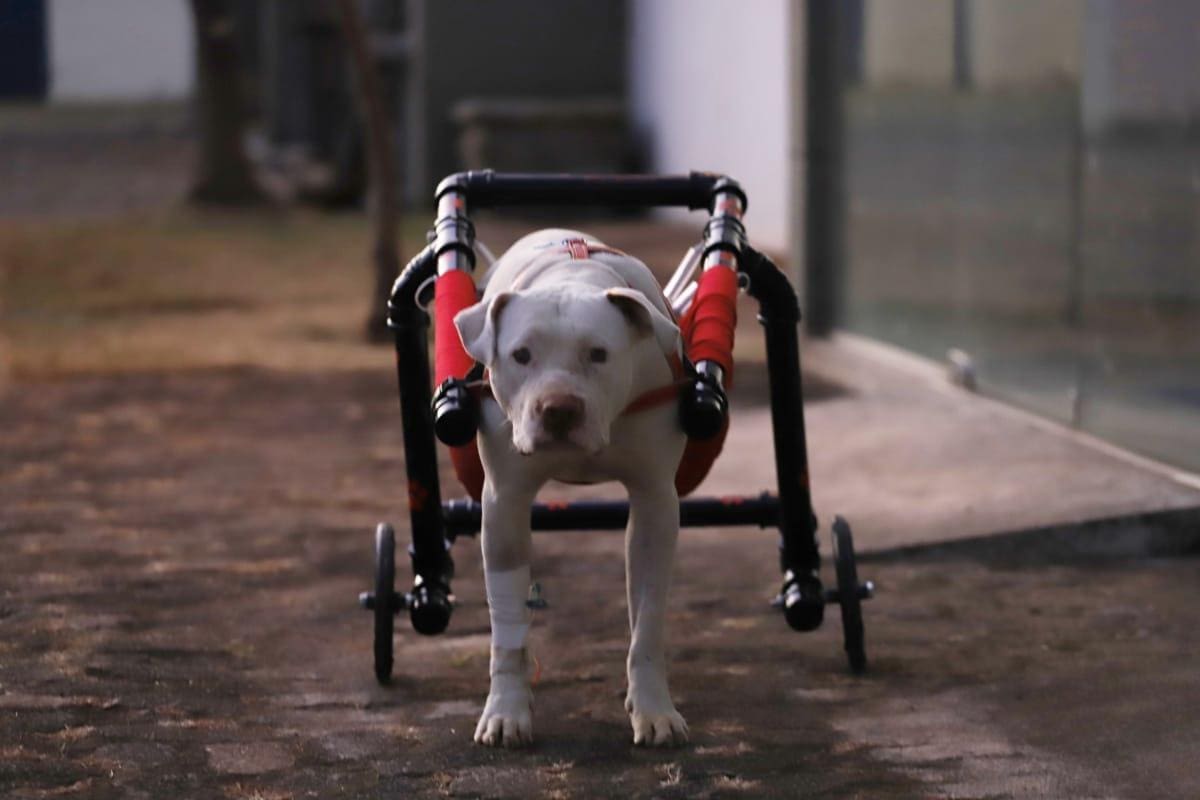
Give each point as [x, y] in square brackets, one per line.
[385, 203]
[223, 173]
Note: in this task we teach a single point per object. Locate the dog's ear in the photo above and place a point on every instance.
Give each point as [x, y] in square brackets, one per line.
[478, 325]
[645, 318]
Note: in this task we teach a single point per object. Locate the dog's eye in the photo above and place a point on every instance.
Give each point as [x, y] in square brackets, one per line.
[521, 355]
[598, 355]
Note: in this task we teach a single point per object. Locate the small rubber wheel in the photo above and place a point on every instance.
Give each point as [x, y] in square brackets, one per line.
[385, 600]
[848, 595]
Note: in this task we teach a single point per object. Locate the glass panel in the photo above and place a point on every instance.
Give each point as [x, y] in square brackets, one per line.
[1024, 187]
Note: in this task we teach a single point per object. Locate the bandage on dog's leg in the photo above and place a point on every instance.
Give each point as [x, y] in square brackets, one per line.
[509, 662]
[507, 716]
[507, 591]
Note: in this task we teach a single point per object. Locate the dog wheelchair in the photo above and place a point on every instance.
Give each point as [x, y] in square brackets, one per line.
[702, 292]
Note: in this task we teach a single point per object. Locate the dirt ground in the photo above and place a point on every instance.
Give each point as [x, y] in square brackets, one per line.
[183, 553]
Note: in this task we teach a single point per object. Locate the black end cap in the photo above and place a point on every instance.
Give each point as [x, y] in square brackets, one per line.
[429, 608]
[455, 413]
[803, 602]
[703, 408]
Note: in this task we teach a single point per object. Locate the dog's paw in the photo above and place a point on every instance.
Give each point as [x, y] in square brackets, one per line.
[667, 729]
[507, 717]
[655, 721]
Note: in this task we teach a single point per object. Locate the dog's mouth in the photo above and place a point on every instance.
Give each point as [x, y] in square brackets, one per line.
[553, 446]
[559, 445]
[551, 433]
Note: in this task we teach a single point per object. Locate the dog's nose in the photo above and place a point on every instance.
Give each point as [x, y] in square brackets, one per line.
[560, 413]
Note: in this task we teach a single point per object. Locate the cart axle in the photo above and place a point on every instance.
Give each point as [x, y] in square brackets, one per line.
[399, 601]
[865, 592]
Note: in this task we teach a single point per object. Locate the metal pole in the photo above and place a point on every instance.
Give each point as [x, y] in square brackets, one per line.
[824, 196]
[385, 203]
[416, 111]
[964, 79]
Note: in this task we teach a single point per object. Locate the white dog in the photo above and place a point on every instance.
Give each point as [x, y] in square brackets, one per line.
[571, 332]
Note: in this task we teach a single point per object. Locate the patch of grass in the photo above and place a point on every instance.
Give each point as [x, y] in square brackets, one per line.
[736, 783]
[238, 791]
[188, 290]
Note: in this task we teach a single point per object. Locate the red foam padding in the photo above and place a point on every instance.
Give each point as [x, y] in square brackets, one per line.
[712, 318]
[707, 330]
[468, 468]
[454, 291]
[698, 458]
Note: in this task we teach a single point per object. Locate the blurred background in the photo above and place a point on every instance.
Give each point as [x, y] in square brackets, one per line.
[1009, 185]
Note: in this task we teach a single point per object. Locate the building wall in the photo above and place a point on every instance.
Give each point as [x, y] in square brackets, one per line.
[909, 43]
[560, 50]
[1009, 43]
[1142, 63]
[708, 83]
[120, 50]
[1025, 43]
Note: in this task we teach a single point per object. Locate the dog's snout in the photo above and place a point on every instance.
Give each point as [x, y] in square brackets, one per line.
[560, 413]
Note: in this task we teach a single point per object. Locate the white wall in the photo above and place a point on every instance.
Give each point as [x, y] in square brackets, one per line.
[709, 90]
[120, 50]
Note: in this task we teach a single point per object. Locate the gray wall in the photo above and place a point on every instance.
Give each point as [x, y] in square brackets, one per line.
[1143, 64]
[516, 48]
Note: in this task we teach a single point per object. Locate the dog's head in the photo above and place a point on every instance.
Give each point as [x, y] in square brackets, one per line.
[561, 359]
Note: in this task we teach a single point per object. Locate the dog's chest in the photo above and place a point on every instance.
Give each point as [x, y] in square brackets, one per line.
[584, 470]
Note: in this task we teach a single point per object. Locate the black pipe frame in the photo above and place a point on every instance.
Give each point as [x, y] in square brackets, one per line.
[824, 184]
[779, 314]
[463, 516]
[489, 189]
[410, 324]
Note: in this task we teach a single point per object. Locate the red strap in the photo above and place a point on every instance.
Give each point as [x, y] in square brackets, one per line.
[578, 248]
[652, 398]
[661, 395]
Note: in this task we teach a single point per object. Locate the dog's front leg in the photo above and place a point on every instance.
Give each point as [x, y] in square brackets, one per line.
[507, 717]
[649, 553]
